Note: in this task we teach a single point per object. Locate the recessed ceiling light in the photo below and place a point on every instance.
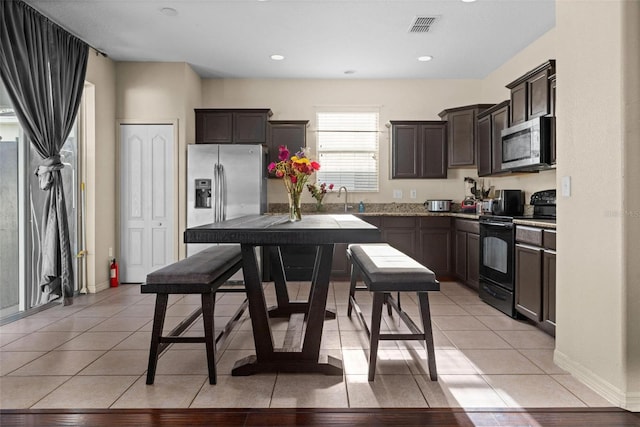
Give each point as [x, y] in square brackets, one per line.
[468, 1]
[425, 58]
[168, 11]
[277, 57]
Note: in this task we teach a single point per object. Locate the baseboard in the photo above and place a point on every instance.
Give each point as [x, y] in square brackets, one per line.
[628, 401]
[99, 287]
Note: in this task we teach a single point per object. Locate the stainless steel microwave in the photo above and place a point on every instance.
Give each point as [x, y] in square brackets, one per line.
[527, 146]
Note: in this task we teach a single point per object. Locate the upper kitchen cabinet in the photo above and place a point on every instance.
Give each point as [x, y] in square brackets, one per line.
[291, 133]
[418, 149]
[531, 93]
[552, 96]
[491, 122]
[231, 126]
[462, 133]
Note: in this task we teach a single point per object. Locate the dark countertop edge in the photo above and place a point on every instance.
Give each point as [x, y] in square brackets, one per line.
[535, 223]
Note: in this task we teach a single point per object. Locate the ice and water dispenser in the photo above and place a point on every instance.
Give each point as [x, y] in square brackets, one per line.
[203, 193]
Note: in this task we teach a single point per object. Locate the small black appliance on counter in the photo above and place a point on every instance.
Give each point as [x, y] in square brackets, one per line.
[508, 203]
[544, 204]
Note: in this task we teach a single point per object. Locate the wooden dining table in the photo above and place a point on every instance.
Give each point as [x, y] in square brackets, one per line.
[301, 350]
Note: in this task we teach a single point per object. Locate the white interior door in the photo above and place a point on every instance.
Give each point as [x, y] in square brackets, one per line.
[146, 200]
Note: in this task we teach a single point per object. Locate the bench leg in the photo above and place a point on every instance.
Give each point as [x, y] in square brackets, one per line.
[158, 324]
[376, 317]
[208, 307]
[425, 313]
[352, 288]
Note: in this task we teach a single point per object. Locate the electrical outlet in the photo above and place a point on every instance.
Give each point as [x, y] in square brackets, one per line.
[397, 194]
[413, 194]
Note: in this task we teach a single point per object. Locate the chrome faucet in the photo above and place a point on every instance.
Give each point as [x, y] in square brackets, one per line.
[346, 197]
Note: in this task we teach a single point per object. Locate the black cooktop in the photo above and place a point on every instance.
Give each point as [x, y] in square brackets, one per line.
[504, 218]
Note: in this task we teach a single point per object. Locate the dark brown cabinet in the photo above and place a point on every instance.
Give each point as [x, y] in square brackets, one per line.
[436, 245]
[231, 126]
[426, 239]
[400, 232]
[549, 289]
[552, 86]
[491, 122]
[467, 252]
[535, 281]
[419, 149]
[462, 133]
[531, 94]
[291, 133]
[528, 290]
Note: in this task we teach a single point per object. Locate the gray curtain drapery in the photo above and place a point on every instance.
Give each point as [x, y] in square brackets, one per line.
[43, 68]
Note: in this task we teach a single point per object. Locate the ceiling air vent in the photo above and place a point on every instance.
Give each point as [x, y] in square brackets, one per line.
[422, 24]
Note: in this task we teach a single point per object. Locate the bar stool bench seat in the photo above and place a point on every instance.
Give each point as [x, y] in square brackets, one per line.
[203, 273]
[384, 269]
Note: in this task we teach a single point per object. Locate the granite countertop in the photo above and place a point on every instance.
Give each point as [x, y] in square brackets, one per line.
[372, 209]
[397, 209]
[543, 223]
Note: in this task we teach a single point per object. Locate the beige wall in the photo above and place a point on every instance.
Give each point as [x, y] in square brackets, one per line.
[397, 100]
[99, 172]
[161, 93]
[597, 271]
[493, 89]
[631, 107]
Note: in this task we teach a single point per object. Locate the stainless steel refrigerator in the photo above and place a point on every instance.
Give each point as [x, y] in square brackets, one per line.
[224, 181]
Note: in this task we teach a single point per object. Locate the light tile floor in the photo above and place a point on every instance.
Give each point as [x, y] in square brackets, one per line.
[93, 354]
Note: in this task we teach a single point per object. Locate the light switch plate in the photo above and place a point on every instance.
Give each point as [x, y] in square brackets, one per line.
[413, 194]
[397, 194]
[566, 186]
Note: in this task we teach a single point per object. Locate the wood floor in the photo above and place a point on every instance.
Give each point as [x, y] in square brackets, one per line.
[609, 417]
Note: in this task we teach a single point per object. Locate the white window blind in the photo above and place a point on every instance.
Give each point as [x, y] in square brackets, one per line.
[348, 149]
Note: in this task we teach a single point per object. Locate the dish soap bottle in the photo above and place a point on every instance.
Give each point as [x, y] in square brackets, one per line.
[361, 207]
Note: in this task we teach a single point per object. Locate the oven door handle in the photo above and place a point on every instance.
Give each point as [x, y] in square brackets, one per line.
[497, 224]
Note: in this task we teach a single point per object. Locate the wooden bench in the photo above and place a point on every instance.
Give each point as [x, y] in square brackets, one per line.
[203, 273]
[383, 270]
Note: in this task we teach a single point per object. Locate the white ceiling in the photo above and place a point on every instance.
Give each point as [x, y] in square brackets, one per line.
[319, 38]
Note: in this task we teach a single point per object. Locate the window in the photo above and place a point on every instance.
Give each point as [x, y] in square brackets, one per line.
[348, 149]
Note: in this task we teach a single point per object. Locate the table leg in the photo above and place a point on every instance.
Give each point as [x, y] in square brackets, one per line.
[286, 307]
[305, 360]
[257, 304]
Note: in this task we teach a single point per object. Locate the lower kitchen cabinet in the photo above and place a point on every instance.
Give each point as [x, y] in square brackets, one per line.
[549, 289]
[425, 239]
[400, 232]
[535, 282]
[528, 281]
[467, 252]
[428, 240]
[435, 245]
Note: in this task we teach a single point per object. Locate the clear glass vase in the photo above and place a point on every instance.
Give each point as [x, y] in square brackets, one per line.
[295, 213]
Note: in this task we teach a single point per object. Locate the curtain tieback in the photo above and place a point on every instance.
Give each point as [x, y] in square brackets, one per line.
[43, 172]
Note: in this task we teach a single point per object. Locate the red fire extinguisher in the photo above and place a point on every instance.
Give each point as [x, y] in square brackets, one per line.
[113, 272]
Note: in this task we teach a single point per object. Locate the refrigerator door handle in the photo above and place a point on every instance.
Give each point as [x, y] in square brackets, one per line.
[223, 194]
[216, 197]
